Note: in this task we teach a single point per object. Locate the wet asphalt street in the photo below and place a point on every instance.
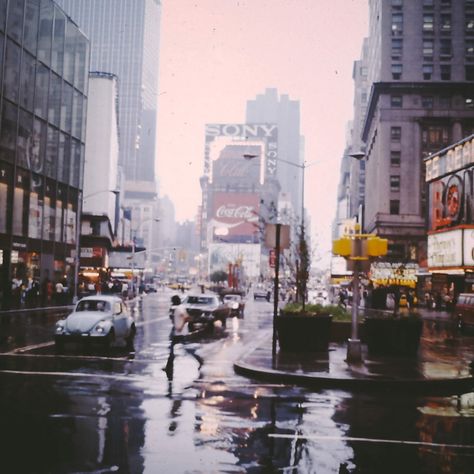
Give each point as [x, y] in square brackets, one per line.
[88, 411]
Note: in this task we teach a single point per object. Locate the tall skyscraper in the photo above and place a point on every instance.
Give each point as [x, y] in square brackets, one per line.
[124, 37]
[43, 73]
[420, 71]
[272, 108]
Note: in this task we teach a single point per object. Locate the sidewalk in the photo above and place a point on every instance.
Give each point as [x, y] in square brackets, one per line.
[442, 364]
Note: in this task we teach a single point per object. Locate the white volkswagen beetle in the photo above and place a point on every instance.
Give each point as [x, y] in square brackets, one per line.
[99, 318]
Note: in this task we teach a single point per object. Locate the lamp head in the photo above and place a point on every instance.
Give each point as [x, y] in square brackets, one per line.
[358, 155]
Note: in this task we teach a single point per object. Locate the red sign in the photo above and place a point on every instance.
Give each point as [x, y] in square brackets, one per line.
[235, 214]
[452, 200]
[271, 258]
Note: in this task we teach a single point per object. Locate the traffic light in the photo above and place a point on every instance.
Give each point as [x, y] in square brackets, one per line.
[376, 247]
[342, 247]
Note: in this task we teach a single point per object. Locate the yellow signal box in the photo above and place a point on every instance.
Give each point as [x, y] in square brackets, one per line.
[342, 247]
[376, 247]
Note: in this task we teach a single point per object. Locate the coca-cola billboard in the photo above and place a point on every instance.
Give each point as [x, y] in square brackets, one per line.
[235, 217]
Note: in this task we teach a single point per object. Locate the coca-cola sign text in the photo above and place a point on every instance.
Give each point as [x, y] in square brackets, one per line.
[235, 212]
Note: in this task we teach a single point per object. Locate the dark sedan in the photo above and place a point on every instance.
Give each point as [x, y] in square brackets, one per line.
[205, 310]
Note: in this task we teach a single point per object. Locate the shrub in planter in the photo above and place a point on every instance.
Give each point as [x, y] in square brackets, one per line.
[300, 331]
[393, 335]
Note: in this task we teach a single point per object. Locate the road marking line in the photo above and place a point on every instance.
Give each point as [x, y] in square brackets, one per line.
[369, 440]
[76, 375]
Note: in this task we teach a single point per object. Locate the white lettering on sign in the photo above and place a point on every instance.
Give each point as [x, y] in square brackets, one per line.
[239, 212]
[449, 161]
[240, 130]
[445, 249]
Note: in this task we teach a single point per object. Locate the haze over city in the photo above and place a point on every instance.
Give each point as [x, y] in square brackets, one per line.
[215, 55]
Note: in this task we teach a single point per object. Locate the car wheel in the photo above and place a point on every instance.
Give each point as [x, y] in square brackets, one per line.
[129, 340]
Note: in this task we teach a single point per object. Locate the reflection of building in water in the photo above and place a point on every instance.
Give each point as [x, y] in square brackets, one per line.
[41, 145]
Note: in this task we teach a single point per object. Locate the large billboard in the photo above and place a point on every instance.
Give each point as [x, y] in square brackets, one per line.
[264, 133]
[247, 256]
[234, 217]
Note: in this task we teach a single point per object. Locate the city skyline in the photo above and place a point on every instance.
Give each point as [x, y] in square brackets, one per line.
[207, 51]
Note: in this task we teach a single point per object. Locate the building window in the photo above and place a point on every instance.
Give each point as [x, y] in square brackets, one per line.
[445, 23]
[435, 136]
[395, 133]
[397, 3]
[363, 71]
[363, 97]
[445, 47]
[469, 24]
[394, 206]
[469, 73]
[445, 3]
[396, 71]
[428, 3]
[395, 158]
[427, 101]
[444, 102]
[470, 47]
[428, 48]
[397, 24]
[396, 101]
[397, 48]
[445, 72]
[428, 22]
[394, 183]
[427, 71]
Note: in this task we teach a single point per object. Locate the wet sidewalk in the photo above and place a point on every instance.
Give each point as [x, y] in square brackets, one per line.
[443, 363]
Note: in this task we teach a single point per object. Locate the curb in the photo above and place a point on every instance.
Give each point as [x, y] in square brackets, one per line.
[452, 386]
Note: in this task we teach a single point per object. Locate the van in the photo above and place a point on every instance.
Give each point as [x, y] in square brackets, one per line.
[464, 310]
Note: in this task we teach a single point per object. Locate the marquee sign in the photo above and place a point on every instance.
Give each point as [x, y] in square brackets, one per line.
[450, 160]
[452, 200]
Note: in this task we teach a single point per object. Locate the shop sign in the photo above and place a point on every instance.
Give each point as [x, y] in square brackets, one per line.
[452, 200]
[92, 252]
[445, 249]
[452, 160]
[468, 244]
[19, 245]
[399, 273]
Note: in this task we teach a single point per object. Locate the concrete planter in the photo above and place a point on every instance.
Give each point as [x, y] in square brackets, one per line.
[341, 331]
[299, 332]
[393, 336]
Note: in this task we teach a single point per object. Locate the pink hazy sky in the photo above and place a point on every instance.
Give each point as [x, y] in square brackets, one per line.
[217, 54]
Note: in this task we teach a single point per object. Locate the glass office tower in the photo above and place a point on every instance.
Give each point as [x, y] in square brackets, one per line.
[44, 60]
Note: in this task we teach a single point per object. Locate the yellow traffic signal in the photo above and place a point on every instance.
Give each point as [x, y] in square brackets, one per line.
[376, 247]
[342, 247]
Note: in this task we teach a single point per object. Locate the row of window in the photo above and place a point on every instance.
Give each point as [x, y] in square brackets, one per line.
[37, 209]
[428, 48]
[428, 23]
[40, 147]
[396, 4]
[51, 98]
[42, 29]
[428, 70]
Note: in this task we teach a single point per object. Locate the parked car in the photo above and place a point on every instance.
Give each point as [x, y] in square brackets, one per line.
[102, 319]
[236, 302]
[260, 292]
[204, 309]
[464, 310]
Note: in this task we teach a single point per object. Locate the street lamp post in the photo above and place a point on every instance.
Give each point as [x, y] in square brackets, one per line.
[302, 167]
[134, 235]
